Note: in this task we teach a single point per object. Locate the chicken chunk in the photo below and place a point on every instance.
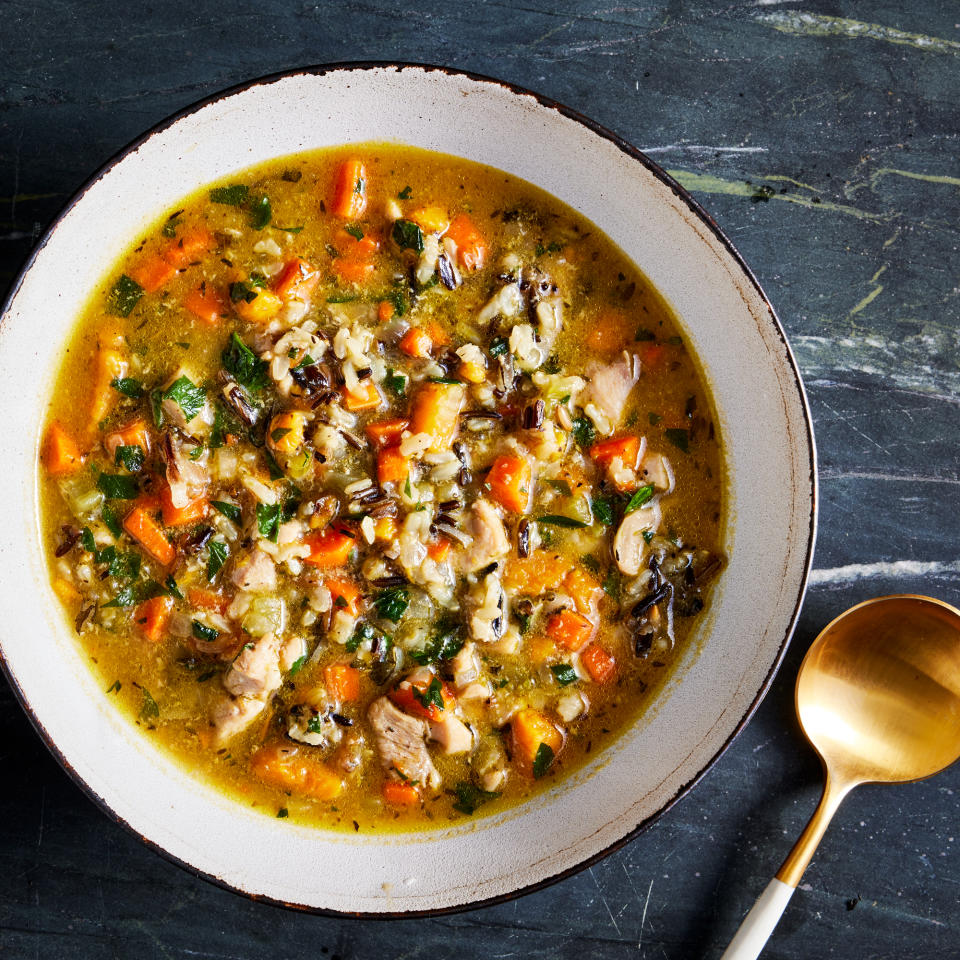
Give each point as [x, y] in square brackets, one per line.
[400, 743]
[256, 670]
[188, 478]
[255, 572]
[489, 536]
[453, 735]
[607, 392]
[232, 715]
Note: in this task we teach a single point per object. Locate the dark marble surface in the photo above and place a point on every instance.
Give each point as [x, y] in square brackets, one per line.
[823, 136]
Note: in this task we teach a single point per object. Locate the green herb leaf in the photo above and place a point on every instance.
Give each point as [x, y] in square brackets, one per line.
[432, 696]
[244, 365]
[354, 230]
[363, 633]
[283, 813]
[642, 495]
[344, 297]
[563, 673]
[406, 193]
[268, 520]
[187, 396]
[647, 536]
[277, 435]
[644, 334]
[149, 709]
[591, 563]
[136, 593]
[233, 196]
[114, 687]
[261, 213]
[240, 290]
[124, 295]
[156, 407]
[396, 382]
[446, 643]
[127, 386]
[391, 604]
[447, 380]
[272, 466]
[583, 431]
[654, 418]
[202, 632]
[542, 760]
[297, 666]
[679, 438]
[407, 235]
[131, 458]
[498, 347]
[230, 510]
[110, 520]
[170, 227]
[602, 508]
[611, 585]
[171, 587]
[470, 797]
[307, 361]
[118, 486]
[288, 229]
[217, 552]
[558, 520]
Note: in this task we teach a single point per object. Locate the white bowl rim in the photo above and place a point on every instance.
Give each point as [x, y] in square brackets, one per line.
[345, 67]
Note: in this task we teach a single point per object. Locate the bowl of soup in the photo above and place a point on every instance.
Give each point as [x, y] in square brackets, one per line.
[415, 491]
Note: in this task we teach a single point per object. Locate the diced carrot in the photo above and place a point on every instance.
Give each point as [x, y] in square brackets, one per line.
[329, 548]
[285, 433]
[153, 272]
[437, 334]
[353, 269]
[109, 365]
[439, 549]
[298, 281]
[608, 333]
[180, 516]
[436, 411]
[206, 303]
[539, 648]
[61, 454]
[570, 629]
[626, 448]
[283, 765]
[136, 433]
[386, 310]
[385, 433]
[189, 247]
[430, 219]
[385, 529]
[207, 599]
[584, 590]
[471, 247]
[400, 794]
[342, 681]
[599, 662]
[146, 531]
[532, 575]
[345, 595]
[529, 729]
[349, 198]
[261, 309]
[66, 591]
[152, 616]
[651, 355]
[392, 466]
[473, 372]
[405, 697]
[416, 343]
[352, 247]
[510, 483]
[366, 397]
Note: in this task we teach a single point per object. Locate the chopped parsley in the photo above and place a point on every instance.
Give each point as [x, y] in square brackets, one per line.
[187, 396]
[542, 760]
[354, 230]
[470, 797]
[149, 709]
[432, 696]
[233, 196]
[217, 552]
[297, 666]
[558, 520]
[583, 431]
[392, 603]
[239, 290]
[261, 213]
[230, 510]
[406, 193]
[244, 365]
[563, 673]
[498, 347]
[396, 382]
[124, 295]
[446, 643]
[602, 508]
[407, 235]
[643, 334]
[130, 458]
[268, 520]
[117, 486]
[128, 387]
[679, 438]
[642, 495]
[202, 632]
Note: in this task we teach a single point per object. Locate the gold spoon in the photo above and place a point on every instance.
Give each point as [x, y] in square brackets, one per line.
[878, 696]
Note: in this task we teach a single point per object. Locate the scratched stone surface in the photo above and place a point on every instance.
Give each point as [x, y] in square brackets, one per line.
[823, 137]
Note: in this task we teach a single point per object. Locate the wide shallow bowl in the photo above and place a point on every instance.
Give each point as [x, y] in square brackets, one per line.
[770, 508]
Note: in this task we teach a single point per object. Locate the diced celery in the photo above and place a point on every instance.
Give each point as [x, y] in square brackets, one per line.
[264, 615]
[83, 498]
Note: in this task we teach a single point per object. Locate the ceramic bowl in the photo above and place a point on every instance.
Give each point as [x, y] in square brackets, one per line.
[770, 509]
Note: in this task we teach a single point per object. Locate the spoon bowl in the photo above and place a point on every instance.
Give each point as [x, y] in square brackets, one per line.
[878, 696]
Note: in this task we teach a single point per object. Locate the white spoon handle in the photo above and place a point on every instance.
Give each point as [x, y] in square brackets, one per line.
[759, 922]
